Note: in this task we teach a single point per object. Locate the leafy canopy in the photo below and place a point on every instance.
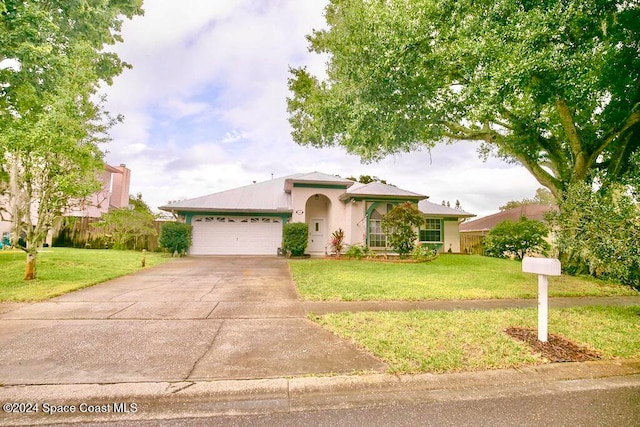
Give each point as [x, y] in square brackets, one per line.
[553, 85]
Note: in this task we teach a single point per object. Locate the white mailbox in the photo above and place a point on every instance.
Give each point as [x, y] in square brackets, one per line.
[543, 267]
[546, 266]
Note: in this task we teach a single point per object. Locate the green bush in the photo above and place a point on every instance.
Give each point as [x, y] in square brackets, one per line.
[517, 239]
[425, 252]
[357, 251]
[598, 233]
[175, 236]
[295, 238]
[399, 225]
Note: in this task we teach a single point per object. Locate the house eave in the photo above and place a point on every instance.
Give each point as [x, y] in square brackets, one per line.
[346, 197]
[184, 210]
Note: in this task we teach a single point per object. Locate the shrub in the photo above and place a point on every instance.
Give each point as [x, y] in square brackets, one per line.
[295, 238]
[399, 225]
[598, 233]
[517, 239]
[337, 241]
[175, 236]
[425, 252]
[358, 251]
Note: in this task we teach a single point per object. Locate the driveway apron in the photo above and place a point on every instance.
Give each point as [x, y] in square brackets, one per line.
[197, 318]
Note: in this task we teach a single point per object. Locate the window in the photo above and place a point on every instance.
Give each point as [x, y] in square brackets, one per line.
[377, 238]
[432, 231]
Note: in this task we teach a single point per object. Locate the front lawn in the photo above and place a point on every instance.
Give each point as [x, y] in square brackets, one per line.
[448, 277]
[450, 341]
[62, 270]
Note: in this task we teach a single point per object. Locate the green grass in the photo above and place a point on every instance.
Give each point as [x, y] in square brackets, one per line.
[452, 341]
[447, 277]
[62, 270]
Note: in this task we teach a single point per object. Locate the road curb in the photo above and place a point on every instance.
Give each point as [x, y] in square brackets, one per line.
[166, 400]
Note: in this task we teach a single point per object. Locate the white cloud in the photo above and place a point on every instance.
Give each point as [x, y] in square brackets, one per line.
[205, 109]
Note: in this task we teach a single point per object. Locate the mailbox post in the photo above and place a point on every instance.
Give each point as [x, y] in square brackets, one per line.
[543, 267]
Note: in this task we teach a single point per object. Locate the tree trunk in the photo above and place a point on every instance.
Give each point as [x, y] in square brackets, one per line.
[30, 270]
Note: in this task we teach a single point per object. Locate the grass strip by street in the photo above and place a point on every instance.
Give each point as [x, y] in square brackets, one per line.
[449, 277]
[62, 270]
[444, 341]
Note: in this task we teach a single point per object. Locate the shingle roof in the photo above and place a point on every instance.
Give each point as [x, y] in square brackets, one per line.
[486, 223]
[435, 209]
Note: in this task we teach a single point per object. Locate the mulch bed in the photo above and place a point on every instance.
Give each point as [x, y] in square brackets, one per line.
[556, 349]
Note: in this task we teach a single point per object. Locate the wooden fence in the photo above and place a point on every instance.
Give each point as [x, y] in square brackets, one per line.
[472, 243]
[79, 232]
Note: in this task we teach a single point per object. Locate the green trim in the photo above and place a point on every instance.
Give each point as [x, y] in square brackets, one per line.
[189, 215]
[441, 242]
[375, 204]
[368, 217]
[328, 186]
[380, 199]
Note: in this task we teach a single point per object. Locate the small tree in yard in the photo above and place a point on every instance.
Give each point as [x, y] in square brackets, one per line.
[295, 237]
[125, 225]
[517, 238]
[175, 236]
[399, 225]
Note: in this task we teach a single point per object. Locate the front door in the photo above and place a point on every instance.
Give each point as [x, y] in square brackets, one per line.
[317, 238]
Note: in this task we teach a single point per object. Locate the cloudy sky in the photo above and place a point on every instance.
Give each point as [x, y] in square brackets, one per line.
[205, 110]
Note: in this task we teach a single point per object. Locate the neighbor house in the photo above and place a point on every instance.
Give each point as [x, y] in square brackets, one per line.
[115, 181]
[472, 232]
[249, 220]
[114, 193]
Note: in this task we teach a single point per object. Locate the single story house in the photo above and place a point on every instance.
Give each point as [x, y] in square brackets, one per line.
[248, 220]
[473, 232]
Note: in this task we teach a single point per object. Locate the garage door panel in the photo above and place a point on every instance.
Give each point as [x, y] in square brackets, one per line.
[217, 235]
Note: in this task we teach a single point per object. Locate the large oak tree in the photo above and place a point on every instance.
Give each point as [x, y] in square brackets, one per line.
[551, 84]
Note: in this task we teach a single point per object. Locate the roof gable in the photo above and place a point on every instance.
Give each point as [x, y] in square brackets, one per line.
[315, 179]
[435, 209]
[378, 189]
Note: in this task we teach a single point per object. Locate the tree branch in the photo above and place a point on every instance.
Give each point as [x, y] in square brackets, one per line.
[580, 165]
[631, 120]
[566, 118]
[543, 177]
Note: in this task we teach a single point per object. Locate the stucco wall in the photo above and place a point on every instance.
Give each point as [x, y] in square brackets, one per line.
[355, 233]
[331, 209]
[451, 236]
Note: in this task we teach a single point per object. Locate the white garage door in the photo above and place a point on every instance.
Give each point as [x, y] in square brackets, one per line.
[230, 235]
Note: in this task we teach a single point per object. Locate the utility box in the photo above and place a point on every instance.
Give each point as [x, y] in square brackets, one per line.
[545, 266]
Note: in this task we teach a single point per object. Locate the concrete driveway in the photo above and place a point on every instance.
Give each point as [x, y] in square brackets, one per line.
[199, 318]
